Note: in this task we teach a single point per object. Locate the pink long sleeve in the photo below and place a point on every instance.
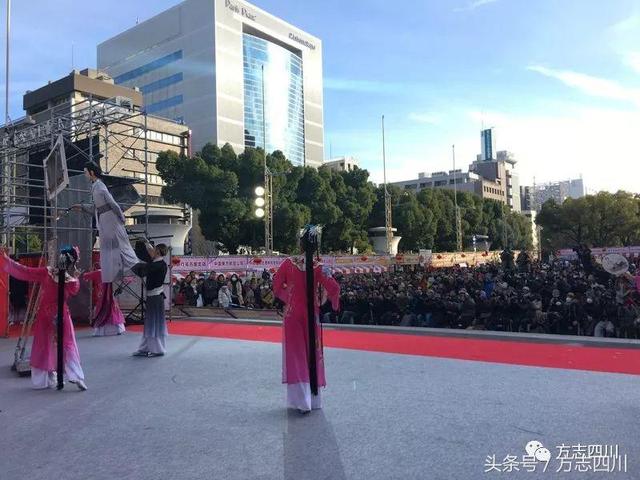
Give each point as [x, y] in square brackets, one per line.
[332, 288]
[280, 281]
[93, 276]
[27, 274]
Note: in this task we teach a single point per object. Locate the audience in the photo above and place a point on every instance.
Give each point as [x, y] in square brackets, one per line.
[560, 297]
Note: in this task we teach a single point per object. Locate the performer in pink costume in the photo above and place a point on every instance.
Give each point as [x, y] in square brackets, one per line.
[43, 351]
[107, 316]
[290, 286]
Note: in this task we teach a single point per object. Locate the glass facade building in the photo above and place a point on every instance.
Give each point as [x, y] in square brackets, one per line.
[201, 62]
[283, 102]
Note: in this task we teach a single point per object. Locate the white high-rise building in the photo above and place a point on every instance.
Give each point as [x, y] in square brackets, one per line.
[231, 71]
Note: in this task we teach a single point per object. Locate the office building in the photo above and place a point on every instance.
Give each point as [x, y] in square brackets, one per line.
[233, 72]
[341, 164]
[486, 142]
[464, 182]
[559, 191]
[502, 171]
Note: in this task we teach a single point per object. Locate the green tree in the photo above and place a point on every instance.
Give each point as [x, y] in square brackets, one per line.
[602, 220]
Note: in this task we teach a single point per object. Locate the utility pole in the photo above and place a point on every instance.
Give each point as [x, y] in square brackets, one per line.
[387, 197]
[6, 170]
[455, 202]
[268, 190]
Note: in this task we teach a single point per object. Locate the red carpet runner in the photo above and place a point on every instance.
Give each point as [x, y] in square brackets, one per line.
[576, 357]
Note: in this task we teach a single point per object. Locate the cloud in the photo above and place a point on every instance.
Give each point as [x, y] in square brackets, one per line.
[632, 60]
[474, 5]
[627, 24]
[429, 118]
[590, 85]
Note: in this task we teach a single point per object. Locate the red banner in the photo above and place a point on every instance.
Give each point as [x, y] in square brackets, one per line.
[4, 304]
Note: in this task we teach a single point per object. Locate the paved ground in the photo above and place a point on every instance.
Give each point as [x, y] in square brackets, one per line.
[213, 409]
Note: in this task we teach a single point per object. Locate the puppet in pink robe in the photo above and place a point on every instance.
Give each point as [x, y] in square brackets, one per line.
[289, 285]
[44, 351]
[107, 316]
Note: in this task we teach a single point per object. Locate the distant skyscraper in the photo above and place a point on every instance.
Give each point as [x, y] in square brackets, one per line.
[486, 138]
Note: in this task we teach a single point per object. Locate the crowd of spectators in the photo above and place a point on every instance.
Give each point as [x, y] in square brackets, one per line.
[559, 297]
[216, 290]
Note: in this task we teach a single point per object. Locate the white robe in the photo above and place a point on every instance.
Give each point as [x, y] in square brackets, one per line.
[116, 254]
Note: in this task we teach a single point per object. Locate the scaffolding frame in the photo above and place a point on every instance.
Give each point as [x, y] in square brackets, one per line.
[115, 124]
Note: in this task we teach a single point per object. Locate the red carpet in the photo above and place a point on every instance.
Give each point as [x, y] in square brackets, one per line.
[614, 360]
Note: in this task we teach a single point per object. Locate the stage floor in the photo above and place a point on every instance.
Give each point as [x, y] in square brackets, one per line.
[213, 408]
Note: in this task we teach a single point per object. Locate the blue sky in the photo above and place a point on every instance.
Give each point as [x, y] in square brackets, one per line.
[559, 81]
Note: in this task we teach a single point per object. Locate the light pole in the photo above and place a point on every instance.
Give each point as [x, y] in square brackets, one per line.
[387, 198]
[268, 189]
[8, 51]
[6, 171]
[455, 203]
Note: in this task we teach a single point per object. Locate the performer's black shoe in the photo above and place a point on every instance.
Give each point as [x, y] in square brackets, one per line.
[303, 412]
[141, 354]
[156, 354]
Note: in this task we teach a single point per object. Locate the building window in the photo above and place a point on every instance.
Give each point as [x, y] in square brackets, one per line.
[149, 67]
[162, 83]
[164, 104]
[283, 102]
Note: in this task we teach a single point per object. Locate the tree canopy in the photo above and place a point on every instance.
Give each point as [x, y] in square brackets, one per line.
[601, 220]
[220, 184]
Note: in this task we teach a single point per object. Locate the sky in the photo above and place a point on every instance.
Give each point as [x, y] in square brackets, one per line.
[558, 81]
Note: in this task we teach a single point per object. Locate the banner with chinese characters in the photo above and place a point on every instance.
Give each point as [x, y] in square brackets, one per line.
[629, 252]
[344, 264]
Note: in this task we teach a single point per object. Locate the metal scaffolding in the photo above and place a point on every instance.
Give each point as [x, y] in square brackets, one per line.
[91, 129]
[104, 131]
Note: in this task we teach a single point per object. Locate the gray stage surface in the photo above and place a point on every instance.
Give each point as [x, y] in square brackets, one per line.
[213, 409]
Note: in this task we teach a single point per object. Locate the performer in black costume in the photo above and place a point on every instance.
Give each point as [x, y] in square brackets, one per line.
[154, 269]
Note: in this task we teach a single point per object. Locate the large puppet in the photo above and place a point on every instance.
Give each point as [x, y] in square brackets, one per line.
[297, 283]
[116, 254]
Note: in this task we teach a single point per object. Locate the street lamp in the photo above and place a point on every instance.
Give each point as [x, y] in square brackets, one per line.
[260, 202]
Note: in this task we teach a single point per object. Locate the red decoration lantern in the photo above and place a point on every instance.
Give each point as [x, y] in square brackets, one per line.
[463, 255]
[364, 259]
[257, 261]
[439, 257]
[175, 261]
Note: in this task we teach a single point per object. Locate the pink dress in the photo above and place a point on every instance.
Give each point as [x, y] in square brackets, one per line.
[107, 316]
[289, 285]
[43, 352]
